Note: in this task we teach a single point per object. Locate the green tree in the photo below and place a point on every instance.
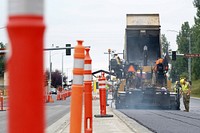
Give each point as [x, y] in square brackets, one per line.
[195, 37]
[180, 66]
[56, 78]
[164, 43]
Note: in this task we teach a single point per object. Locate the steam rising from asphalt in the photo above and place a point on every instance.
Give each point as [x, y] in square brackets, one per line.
[147, 99]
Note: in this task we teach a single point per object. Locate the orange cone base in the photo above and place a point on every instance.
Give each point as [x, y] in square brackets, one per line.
[3, 109]
[51, 100]
[1, 104]
[100, 116]
[88, 130]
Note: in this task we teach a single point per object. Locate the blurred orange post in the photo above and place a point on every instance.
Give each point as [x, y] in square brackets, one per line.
[88, 92]
[77, 89]
[25, 66]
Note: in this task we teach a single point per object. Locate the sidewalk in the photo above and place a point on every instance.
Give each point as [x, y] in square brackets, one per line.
[119, 123]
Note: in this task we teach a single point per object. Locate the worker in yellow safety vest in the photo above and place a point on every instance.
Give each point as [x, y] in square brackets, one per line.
[186, 90]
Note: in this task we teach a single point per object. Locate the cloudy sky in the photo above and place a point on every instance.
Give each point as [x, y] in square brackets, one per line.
[101, 24]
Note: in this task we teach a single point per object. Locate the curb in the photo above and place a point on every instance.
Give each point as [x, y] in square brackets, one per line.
[196, 98]
[60, 125]
[132, 124]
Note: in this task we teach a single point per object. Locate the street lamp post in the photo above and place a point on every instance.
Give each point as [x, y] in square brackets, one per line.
[50, 63]
[50, 67]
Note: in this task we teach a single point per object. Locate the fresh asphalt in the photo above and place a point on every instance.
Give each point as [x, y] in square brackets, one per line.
[168, 121]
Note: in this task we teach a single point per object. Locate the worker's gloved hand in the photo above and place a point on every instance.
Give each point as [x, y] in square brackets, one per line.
[189, 91]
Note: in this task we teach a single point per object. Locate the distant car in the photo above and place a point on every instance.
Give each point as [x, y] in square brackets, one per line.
[53, 91]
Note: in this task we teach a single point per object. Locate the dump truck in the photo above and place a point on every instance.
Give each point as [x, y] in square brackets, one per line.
[139, 83]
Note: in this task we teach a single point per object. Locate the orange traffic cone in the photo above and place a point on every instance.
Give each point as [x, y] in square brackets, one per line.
[51, 99]
[131, 68]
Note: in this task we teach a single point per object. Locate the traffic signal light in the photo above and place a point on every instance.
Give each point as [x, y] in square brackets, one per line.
[173, 55]
[68, 50]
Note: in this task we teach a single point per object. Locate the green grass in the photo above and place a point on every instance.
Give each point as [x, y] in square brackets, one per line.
[195, 89]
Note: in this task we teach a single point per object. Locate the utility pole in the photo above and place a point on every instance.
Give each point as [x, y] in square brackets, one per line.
[109, 50]
[109, 67]
[189, 59]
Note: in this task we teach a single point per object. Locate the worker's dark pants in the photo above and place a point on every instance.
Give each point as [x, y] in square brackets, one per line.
[186, 101]
[160, 79]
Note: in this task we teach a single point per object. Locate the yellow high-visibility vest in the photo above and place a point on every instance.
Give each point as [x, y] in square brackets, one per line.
[185, 87]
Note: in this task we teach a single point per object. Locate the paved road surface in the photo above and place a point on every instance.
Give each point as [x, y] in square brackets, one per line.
[161, 121]
[54, 111]
[168, 121]
[57, 110]
[3, 120]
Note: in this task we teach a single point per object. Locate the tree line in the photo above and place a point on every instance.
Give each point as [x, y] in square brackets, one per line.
[187, 34]
[56, 79]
